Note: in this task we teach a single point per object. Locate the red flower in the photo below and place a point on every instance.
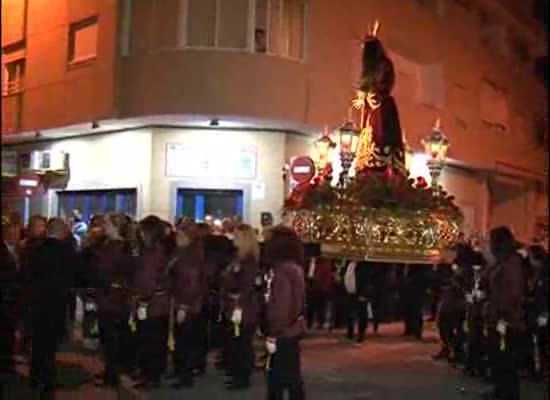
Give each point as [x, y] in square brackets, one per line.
[421, 182]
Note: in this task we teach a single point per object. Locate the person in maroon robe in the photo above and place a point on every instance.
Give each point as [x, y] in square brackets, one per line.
[285, 313]
[151, 284]
[240, 307]
[506, 316]
[113, 269]
[188, 290]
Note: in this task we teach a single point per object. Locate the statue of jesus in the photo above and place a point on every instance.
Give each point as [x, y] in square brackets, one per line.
[381, 141]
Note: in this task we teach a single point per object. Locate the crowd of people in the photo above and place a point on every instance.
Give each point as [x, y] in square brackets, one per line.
[160, 297]
[493, 312]
[153, 293]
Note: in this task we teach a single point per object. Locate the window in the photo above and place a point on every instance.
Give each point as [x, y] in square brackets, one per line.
[219, 204]
[520, 48]
[13, 74]
[540, 130]
[494, 37]
[83, 40]
[277, 27]
[218, 23]
[233, 24]
[260, 28]
[13, 68]
[97, 202]
[541, 70]
[286, 28]
[494, 106]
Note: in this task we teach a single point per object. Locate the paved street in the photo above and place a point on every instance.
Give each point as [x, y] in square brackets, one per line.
[386, 367]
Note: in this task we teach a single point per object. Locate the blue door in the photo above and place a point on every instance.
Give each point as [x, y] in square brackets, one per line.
[199, 203]
[93, 202]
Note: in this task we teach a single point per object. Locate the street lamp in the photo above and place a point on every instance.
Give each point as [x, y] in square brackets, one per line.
[348, 139]
[323, 149]
[436, 146]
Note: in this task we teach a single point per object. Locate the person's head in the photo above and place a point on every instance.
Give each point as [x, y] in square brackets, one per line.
[537, 256]
[37, 227]
[204, 229]
[95, 235]
[97, 220]
[11, 231]
[227, 225]
[187, 235]
[57, 229]
[116, 226]
[284, 245]
[246, 243]
[168, 228]
[209, 220]
[152, 230]
[502, 243]
[77, 217]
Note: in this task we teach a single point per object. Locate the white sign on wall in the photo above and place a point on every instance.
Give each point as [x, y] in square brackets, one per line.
[258, 191]
[201, 160]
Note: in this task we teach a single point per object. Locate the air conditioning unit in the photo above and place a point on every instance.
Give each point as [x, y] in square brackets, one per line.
[47, 160]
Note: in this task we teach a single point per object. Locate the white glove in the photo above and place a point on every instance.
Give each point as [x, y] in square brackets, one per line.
[479, 294]
[90, 306]
[271, 346]
[469, 298]
[142, 312]
[542, 320]
[523, 252]
[370, 314]
[237, 316]
[79, 310]
[180, 315]
[501, 327]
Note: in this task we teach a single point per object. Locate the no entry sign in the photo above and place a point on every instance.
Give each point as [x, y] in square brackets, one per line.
[302, 169]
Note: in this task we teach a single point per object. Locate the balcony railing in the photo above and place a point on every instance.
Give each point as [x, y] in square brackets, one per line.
[12, 87]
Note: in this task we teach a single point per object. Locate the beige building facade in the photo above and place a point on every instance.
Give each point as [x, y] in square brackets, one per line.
[133, 90]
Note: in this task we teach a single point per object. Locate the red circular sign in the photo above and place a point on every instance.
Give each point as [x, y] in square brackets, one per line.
[302, 169]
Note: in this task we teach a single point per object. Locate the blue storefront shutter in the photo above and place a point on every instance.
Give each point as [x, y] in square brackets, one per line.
[87, 207]
[103, 203]
[119, 202]
[240, 204]
[179, 205]
[199, 207]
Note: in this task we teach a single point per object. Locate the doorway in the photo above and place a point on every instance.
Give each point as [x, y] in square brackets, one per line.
[91, 202]
[196, 204]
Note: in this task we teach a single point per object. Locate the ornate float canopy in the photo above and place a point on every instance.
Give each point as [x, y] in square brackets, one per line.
[378, 212]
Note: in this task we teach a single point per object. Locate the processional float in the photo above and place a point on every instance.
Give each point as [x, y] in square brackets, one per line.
[378, 213]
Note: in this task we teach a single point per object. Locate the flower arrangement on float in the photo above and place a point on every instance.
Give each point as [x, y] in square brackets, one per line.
[379, 216]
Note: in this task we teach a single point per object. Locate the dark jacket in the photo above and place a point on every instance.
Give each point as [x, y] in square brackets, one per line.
[322, 280]
[238, 289]
[9, 284]
[452, 303]
[189, 275]
[475, 309]
[113, 268]
[506, 293]
[48, 274]
[151, 281]
[286, 305]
